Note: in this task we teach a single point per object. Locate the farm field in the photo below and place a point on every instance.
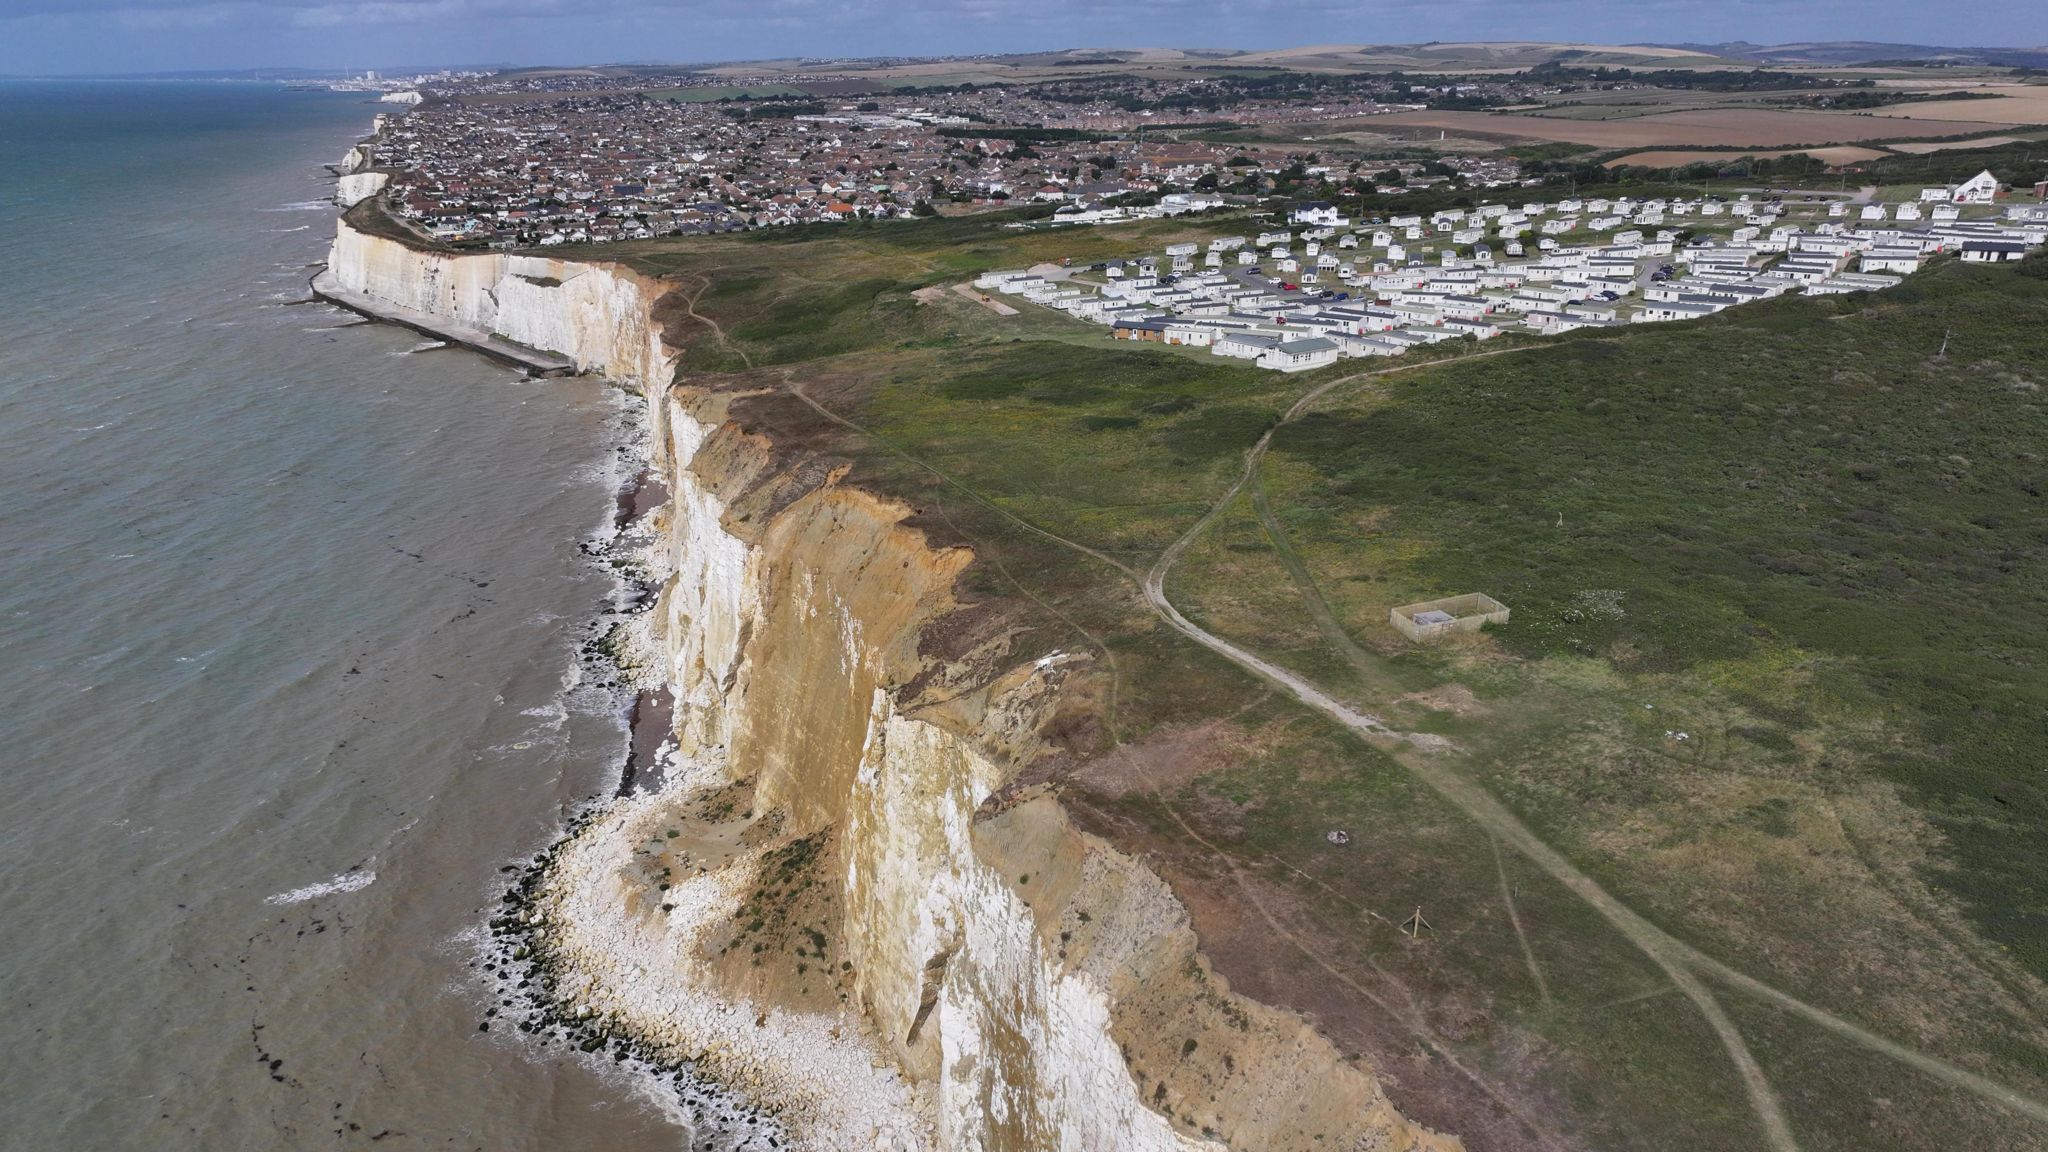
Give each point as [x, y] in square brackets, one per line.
[2017, 104]
[1923, 147]
[1733, 127]
[1471, 57]
[1335, 59]
[725, 92]
[1677, 158]
[1628, 103]
[1360, 132]
[1772, 680]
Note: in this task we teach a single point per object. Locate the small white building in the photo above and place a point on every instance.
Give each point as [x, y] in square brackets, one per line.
[1992, 251]
[1300, 355]
[1979, 189]
[1896, 259]
[1317, 212]
[1673, 310]
[1243, 345]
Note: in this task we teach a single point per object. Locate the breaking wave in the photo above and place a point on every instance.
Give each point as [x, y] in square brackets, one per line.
[341, 883]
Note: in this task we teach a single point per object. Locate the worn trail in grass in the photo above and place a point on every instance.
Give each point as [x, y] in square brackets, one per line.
[1680, 961]
[1423, 756]
[1779, 862]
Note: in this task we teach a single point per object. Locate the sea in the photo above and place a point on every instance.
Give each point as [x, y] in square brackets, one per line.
[289, 606]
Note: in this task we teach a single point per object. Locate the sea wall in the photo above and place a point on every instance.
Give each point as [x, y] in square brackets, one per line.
[838, 900]
[599, 315]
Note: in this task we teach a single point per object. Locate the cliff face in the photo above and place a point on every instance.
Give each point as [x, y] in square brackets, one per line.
[356, 187]
[1043, 987]
[596, 314]
[833, 903]
[357, 158]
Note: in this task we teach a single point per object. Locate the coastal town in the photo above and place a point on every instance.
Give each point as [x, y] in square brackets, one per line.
[1323, 288]
[1316, 274]
[1330, 252]
[502, 167]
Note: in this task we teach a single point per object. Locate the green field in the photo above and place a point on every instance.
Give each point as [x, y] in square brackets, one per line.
[727, 92]
[1809, 535]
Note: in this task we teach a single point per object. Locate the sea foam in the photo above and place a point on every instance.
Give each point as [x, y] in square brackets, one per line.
[351, 881]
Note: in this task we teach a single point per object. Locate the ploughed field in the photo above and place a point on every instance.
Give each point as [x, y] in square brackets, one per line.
[1737, 127]
[1773, 677]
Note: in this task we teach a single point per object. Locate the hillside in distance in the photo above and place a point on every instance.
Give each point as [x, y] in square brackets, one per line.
[1870, 52]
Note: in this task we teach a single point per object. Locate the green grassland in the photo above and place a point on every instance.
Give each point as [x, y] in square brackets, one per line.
[1808, 534]
[726, 92]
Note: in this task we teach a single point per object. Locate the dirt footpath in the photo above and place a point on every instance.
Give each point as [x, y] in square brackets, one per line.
[986, 301]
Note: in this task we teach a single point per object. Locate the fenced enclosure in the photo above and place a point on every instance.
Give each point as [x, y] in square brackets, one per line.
[1433, 618]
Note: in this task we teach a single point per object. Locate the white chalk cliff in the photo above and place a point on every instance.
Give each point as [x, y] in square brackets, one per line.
[832, 904]
[599, 315]
[355, 187]
[357, 158]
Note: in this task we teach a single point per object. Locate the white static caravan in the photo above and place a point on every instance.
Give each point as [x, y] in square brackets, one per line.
[1243, 345]
[1300, 355]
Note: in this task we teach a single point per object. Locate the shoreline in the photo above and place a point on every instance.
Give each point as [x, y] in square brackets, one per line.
[519, 970]
[651, 713]
[552, 944]
[744, 1075]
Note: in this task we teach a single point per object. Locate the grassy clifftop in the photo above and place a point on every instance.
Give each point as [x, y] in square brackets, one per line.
[1773, 677]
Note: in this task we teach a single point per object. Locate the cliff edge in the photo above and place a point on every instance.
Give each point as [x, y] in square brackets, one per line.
[845, 898]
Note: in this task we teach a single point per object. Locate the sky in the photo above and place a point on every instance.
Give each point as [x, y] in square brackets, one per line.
[46, 37]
